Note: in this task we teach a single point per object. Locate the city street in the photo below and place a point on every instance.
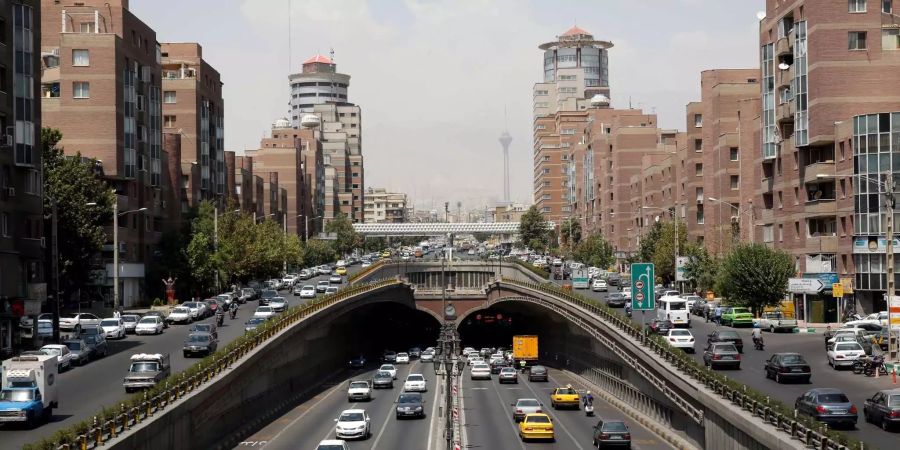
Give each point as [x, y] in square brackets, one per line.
[812, 346]
[84, 390]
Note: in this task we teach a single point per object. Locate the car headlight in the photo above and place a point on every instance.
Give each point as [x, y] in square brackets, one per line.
[418, 408]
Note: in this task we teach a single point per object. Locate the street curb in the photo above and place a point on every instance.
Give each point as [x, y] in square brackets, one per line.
[656, 428]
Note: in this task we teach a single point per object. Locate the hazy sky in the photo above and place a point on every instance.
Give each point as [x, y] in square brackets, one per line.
[433, 76]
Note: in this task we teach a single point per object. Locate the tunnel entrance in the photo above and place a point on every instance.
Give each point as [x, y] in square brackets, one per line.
[373, 328]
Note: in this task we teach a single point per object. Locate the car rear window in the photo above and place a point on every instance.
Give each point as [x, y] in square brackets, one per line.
[848, 346]
[415, 378]
[833, 398]
[528, 402]
[538, 419]
[538, 369]
[680, 333]
[894, 401]
[724, 348]
[614, 426]
[793, 359]
[728, 335]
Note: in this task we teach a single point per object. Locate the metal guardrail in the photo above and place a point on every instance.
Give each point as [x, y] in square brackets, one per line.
[366, 271]
[770, 411]
[110, 423]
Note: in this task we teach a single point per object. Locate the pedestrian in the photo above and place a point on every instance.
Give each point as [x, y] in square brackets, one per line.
[706, 312]
[117, 314]
[718, 314]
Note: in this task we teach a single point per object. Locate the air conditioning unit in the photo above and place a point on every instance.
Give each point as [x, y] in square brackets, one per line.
[699, 201]
[43, 242]
[123, 247]
[11, 191]
[56, 52]
[164, 203]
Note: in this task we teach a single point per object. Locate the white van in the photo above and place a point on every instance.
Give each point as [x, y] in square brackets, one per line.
[675, 309]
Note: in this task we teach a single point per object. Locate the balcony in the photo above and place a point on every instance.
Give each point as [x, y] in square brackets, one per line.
[783, 47]
[816, 172]
[786, 112]
[820, 207]
[821, 244]
[729, 140]
[766, 184]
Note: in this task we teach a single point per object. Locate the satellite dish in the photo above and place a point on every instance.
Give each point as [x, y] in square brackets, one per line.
[784, 66]
[599, 100]
[761, 15]
[309, 121]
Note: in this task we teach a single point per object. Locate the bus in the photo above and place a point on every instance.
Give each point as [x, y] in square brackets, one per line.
[673, 308]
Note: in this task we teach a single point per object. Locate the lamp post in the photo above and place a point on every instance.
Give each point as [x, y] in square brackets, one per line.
[116, 215]
[306, 220]
[740, 212]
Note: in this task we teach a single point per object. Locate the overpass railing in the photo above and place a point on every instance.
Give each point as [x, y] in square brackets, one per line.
[772, 412]
[110, 422]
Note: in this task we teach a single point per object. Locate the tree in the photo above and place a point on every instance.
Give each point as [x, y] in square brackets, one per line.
[374, 244]
[570, 232]
[481, 237]
[595, 251]
[648, 243]
[71, 183]
[201, 254]
[317, 252]
[664, 250]
[755, 276]
[347, 238]
[702, 269]
[533, 232]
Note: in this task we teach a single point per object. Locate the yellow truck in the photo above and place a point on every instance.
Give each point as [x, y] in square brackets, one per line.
[525, 348]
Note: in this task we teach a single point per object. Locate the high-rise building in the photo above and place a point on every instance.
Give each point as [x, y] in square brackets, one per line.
[101, 88]
[192, 106]
[575, 68]
[505, 140]
[830, 133]
[21, 193]
[385, 207]
[317, 83]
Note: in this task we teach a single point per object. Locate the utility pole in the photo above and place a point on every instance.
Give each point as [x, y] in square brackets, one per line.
[216, 241]
[889, 255]
[54, 267]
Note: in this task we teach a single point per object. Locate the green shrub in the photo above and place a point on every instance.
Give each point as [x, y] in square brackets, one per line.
[157, 302]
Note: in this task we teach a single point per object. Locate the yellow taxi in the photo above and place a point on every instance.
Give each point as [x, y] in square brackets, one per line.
[341, 271]
[536, 426]
[565, 396]
[385, 254]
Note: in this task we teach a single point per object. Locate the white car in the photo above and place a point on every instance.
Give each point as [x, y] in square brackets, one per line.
[557, 262]
[681, 338]
[264, 312]
[276, 283]
[365, 264]
[78, 321]
[879, 318]
[308, 291]
[689, 300]
[402, 358]
[278, 304]
[359, 390]
[113, 327]
[415, 382]
[195, 308]
[149, 325]
[352, 424]
[427, 356]
[332, 444]
[626, 293]
[389, 368]
[599, 285]
[288, 281]
[476, 360]
[63, 355]
[341, 263]
[480, 371]
[180, 314]
[844, 354]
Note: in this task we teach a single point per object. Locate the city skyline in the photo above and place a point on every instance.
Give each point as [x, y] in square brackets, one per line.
[656, 70]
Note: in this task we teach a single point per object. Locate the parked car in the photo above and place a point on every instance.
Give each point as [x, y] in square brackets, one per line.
[62, 353]
[787, 366]
[113, 327]
[80, 351]
[721, 354]
[97, 343]
[78, 321]
[130, 321]
[160, 314]
[180, 314]
[149, 325]
[828, 405]
[777, 321]
[883, 409]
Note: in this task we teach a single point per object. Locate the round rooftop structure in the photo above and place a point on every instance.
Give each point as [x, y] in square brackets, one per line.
[575, 37]
[281, 123]
[309, 121]
[599, 100]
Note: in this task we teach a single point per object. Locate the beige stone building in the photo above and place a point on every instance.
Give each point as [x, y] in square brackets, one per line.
[385, 207]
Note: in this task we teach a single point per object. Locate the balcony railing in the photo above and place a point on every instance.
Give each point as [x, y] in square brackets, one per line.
[818, 171]
[821, 207]
[821, 244]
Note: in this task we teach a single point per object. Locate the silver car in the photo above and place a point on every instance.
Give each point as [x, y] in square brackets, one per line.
[525, 406]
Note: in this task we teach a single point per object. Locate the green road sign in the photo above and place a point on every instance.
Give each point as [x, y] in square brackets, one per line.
[642, 298]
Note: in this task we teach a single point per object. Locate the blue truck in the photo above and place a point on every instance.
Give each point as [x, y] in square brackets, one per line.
[29, 389]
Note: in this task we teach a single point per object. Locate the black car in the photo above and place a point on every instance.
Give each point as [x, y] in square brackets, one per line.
[615, 300]
[415, 352]
[358, 363]
[726, 336]
[205, 327]
[389, 356]
[383, 379]
[611, 434]
[254, 322]
[410, 404]
[787, 366]
[97, 343]
[266, 295]
[883, 409]
[498, 365]
[80, 351]
[537, 373]
[827, 405]
[660, 326]
[199, 344]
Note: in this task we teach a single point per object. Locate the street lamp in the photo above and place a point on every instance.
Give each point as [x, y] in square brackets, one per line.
[116, 215]
[674, 214]
[306, 220]
[740, 212]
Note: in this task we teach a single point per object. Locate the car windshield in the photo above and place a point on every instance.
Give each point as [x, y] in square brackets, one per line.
[566, 391]
[90, 331]
[793, 359]
[403, 355]
[614, 426]
[537, 419]
[847, 346]
[382, 374]
[508, 370]
[191, 305]
[415, 378]
[129, 318]
[894, 401]
[352, 417]
[16, 395]
[728, 335]
[677, 306]
[150, 320]
[74, 346]
[52, 350]
[528, 402]
[837, 397]
[277, 299]
[323, 282]
[256, 320]
[308, 287]
[143, 367]
[741, 311]
[181, 311]
[199, 338]
[359, 385]
[92, 339]
[264, 309]
[480, 367]
[409, 398]
[774, 315]
[387, 367]
[203, 327]
[109, 323]
[538, 369]
[724, 349]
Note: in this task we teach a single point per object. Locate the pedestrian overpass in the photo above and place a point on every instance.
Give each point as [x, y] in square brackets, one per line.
[437, 228]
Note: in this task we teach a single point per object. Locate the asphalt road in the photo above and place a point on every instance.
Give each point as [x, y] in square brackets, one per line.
[487, 415]
[84, 390]
[812, 346]
[313, 421]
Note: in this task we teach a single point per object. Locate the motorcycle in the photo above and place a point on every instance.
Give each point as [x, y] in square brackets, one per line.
[233, 313]
[589, 409]
[759, 344]
[220, 318]
[875, 363]
[859, 366]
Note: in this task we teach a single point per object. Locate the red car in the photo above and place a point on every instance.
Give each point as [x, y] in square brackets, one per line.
[660, 326]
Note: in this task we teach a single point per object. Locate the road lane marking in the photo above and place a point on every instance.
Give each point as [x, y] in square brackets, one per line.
[508, 417]
[333, 431]
[294, 422]
[388, 416]
[565, 430]
[433, 413]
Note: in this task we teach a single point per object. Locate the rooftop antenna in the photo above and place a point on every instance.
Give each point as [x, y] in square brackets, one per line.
[629, 102]
[331, 54]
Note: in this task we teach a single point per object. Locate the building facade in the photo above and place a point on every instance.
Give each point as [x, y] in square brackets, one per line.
[385, 207]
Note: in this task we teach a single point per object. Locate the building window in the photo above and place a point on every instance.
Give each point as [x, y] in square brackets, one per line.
[698, 120]
[733, 153]
[81, 89]
[735, 182]
[4, 224]
[856, 40]
[857, 6]
[87, 27]
[887, 6]
[698, 145]
[168, 121]
[768, 234]
[890, 39]
[33, 182]
[700, 218]
[698, 169]
[81, 58]
[170, 97]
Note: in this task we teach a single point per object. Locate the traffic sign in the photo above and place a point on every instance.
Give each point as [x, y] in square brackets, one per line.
[837, 290]
[805, 285]
[642, 276]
